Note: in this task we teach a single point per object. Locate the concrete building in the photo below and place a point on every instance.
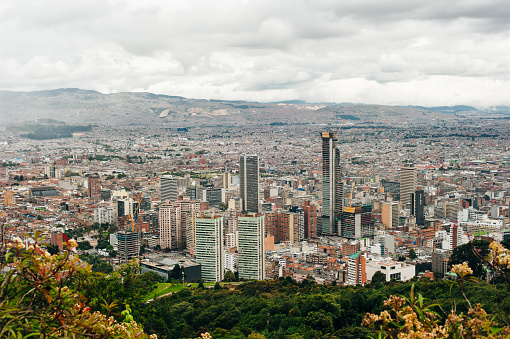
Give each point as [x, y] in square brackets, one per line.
[104, 215]
[356, 269]
[94, 187]
[251, 246]
[169, 226]
[407, 184]
[169, 188]
[332, 188]
[128, 244]
[391, 269]
[310, 220]
[209, 246]
[249, 182]
[389, 214]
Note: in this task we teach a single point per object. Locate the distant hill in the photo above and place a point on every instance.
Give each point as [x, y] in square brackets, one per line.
[77, 106]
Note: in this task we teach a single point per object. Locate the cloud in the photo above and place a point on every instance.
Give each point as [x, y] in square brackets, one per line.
[396, 51]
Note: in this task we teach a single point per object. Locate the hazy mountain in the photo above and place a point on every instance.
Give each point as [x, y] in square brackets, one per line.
[73, 105]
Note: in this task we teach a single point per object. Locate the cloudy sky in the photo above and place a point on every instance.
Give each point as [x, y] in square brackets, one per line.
[402, 52]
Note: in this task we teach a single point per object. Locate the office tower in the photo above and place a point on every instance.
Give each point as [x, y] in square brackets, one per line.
[419, 207]
[214, 196]
[224, 180]
[94, 187]
[407, 183]
[389, 215]
[356, 269]
[169, 188]
[310, 227]
[249, 182]
[128, 245]
[332, 193]
[169, 226]
[191, 231]
[251, 246]
[49, 171]
[185, 205]
[209, 246]
[356, 222]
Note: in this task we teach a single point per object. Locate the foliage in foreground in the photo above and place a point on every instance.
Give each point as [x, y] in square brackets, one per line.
[40, 298]
[412, 318]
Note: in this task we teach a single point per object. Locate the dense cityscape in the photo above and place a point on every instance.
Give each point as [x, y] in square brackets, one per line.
[266, 202]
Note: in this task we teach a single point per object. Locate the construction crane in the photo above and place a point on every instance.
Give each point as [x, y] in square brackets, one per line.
[338, 131]
[349, 208]
[138, 199]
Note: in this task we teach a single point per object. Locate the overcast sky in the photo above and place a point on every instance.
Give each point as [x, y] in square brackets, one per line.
[401, 52]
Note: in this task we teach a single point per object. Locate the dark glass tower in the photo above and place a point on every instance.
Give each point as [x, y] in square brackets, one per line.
[332, 192]
[249, 181]
[419, 207]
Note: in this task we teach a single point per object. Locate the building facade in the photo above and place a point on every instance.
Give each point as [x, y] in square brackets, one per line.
[251, 247]
[209, 247]
[249, 182]
[332, 192]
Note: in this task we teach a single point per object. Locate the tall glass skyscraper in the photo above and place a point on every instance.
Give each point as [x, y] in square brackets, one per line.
[249, 181]
[332, 190]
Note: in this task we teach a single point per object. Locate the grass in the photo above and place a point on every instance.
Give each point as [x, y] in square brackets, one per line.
[164, 288]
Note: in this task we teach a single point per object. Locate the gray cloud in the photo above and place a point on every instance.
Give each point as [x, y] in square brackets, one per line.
[390, 52]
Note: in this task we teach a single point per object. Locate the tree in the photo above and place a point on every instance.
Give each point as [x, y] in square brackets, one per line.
[412, 254]
[229, 276]
[40, 296]
[217, 286]
[84, 245]
[176, 273]
[378, 277]
[201, 284]
[471, 253]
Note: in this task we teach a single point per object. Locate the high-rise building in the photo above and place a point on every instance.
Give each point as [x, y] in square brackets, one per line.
[128, 245]
[185, 204]
[94, 187]
[332, 192]
[310, 227]
[224, 180]
[356, 269]
[389, 214]
[407, 183]
[356, 222]
[283, 226]
[456, 233]
[419, 207]
[209, 246]
[251, 246]
[169, 226]
[104, 215]
[249, 182]
[169, 188]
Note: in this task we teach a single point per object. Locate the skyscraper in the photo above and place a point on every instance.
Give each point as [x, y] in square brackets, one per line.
[251, 246]
[249, 181]
[419, 206]
[209, 246]
[407, 183]
[332, 193]
[94, 187]
[169, 188]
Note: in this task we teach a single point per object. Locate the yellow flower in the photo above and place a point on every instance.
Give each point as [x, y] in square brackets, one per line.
[72, 243]
[462, 269]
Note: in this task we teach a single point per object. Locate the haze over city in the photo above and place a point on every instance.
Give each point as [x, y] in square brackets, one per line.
[427, 53]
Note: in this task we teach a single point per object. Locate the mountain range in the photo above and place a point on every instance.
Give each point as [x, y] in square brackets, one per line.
[78, 106]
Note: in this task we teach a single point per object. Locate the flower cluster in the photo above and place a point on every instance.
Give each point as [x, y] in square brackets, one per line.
[499, 255]
[462, 270]
[410, 319]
